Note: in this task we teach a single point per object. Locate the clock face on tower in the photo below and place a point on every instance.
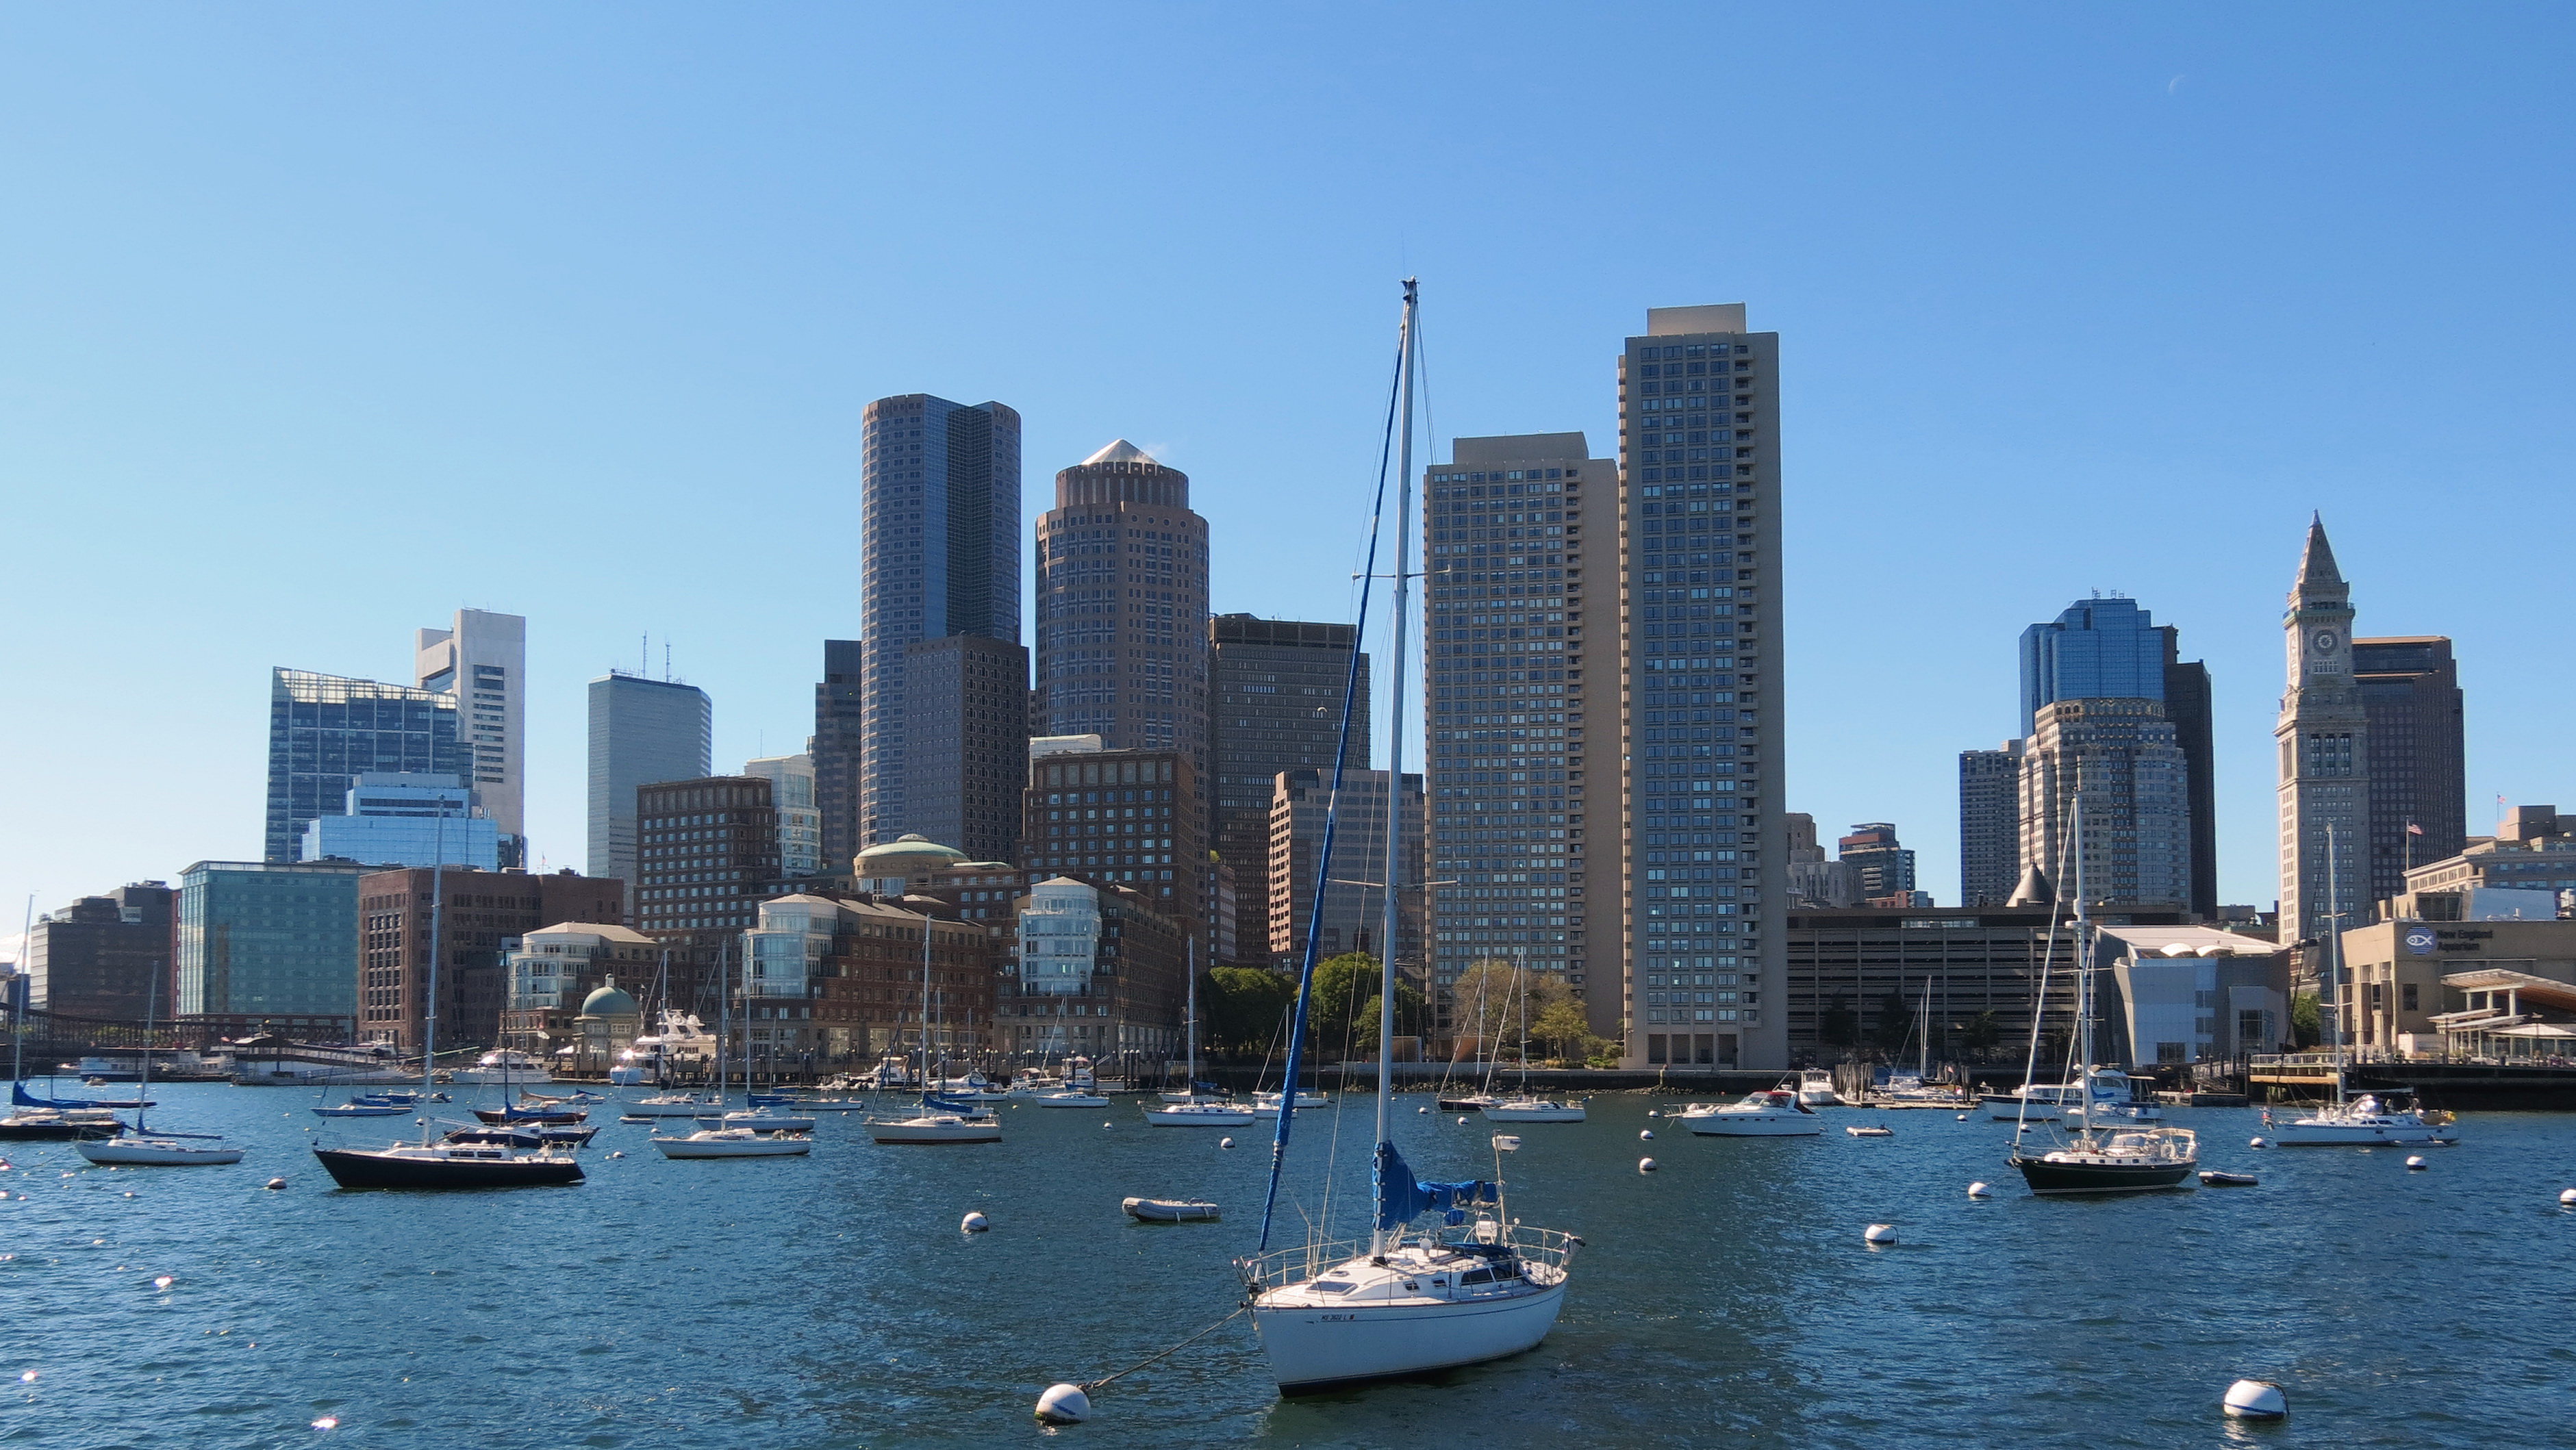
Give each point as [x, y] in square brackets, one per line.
[2325, 641]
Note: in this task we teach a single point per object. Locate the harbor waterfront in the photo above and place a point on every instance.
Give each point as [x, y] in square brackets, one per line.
[1726, 1298]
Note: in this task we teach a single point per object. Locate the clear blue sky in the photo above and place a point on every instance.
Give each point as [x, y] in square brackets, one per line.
[322, 321]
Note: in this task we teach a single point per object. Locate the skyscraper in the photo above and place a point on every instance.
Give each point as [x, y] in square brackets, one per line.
[707, 856]
[2096, 649]
[482, 661]
[1520, 554]
[2187, 706]
[939, 499]
[405, 820]
[1705, 873]
[1880, 866]
[839, 740]
[324, 731]
[2410, 691]
[1354, 913]
[1122, 606]
[966, 742]
[2324, 739]
[1989, 824]
[642, 732]
[1276, 686]
[2121, 754]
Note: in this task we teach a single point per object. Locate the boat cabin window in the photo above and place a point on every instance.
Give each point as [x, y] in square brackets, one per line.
[1333, 1286]
[1476, 1276]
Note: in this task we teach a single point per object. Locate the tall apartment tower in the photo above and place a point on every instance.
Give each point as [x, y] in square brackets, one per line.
[324, 731]
[1706, 875]
[939, 500]
[2187, 706]
[966, 742]
[2410, 692]
[839, 739]
[1879, 864]
[1122, 607]
[642, 732]
[1354, 912]
[2324, 739]
[2120, 754]
[1276, 689]
[1520, 553]
[1989, 824]
[481, 659]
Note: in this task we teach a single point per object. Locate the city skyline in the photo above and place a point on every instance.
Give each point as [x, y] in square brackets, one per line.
[2048, 362]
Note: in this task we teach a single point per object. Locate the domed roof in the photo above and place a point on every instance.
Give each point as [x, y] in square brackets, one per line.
[610, 1001]
[905, 855]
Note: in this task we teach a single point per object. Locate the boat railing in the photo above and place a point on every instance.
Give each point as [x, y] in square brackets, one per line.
[1282, 1267]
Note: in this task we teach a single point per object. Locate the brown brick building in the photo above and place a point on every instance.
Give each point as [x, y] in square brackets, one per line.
[706, 856]
[482, 910]
[1130, 818]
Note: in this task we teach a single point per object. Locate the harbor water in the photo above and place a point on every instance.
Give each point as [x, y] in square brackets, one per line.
[1727, 1299]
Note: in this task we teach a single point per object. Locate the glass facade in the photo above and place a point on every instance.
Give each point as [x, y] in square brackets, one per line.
[325, 730]
[642, 732]
[1277, 705]
[2098, 649]
[406, 820]
[260, 937]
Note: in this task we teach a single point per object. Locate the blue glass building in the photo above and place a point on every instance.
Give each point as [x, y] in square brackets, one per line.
[324, 731]
[260, 938]
[2098, 649]
[407, 820]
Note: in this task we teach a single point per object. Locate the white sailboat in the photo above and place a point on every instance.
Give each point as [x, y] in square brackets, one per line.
[1400, 1302]
[1190, 1112]
[1524, 1106]
[939, 1120]
[2371, 1118]
[727, 1135]
[139, 1149]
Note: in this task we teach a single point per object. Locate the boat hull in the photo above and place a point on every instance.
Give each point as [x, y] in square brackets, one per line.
[54, 1130]
[756, 1148]
[363, 1168]
[2044, 1176]
[143, 1153]
[1755, 1125]
[2360, 1135]
[1071, 1100]
[1500, 1114]
[1324, 1347]
[973, 1130]
[1171, 1210]
[1183, 1117]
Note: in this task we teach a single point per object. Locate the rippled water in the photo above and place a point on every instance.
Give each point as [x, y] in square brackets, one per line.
[1726, 1299]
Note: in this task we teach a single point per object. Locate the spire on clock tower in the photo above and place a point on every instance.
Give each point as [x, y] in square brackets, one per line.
[2317, 571]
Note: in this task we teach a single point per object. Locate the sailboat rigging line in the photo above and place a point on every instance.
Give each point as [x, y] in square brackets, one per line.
[2038, 1010]
[1333, 799]
[1087, 1386]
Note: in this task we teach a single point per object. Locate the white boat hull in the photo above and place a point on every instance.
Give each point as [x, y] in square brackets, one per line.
[1070, 1100]
[1203, 1115]
[680, 1108]
[1171, 1210]
[1317, 1347]
[153, 1153]
[757, 1147]
[939, 1128]
[1754, 1125]
[2330, 1134]
[1505, 1113]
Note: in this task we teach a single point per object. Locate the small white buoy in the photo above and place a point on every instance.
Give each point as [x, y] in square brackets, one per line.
[276, 1183]
[1462, 1122]
[1225, 1142]
[1645, 1165]
[1104, 1125]
[973, 1223]
[1426, 1107]
[163, 1281]
[1654, 1112]
[1645, 1135]
[2257, 1143]
[1978, 1190]
[2567, 1197]
[2256, 1400]
[1064, 1405]
[2414, 1163]
[1963, 1117]
[620, 1153]
[327, 1422]
[29, 1377]
[1879, 1233]
[130, 1192]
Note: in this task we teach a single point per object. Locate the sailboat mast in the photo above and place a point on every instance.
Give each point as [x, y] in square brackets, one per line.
[925, 1000]
[2334, 962]
[724, 1018]
[1388, 934]
[2083, 980]
[1190, 1072]
[437, 917]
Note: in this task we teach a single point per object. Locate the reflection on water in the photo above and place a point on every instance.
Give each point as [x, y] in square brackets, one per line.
[1726, 1299]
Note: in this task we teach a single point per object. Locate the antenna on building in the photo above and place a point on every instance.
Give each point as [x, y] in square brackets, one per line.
[666, 660]
[644, 654]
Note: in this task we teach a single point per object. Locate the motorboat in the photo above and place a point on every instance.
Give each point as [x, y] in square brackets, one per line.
[1266, 1105]
[1198, 1115]
[60, 1125]
[1870, 1131]
[759, 1120]
[1776, 1113]
[2366, 1120]
[1472, 1102]
[2212, 1178]
[1069, 1098]
[1534, 1110]
[506, 1066]
[734, 1143]
[930, 1127]
[359, 1108]
[1171, 1210]
[974, 1087]
[446, 1165]
[1816, 1089]
[670, 1105]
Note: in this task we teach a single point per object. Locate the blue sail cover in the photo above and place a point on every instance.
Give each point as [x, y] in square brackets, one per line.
[939, 1104]
[1400, 1196]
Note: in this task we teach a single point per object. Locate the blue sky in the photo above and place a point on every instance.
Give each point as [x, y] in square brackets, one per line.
[322, 321]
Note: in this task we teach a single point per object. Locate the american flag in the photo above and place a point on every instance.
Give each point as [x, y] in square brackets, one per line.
[2413, 829]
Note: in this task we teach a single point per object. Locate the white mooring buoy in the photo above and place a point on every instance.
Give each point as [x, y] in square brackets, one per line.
[276, 1183]
[1654, 1112]
[1963, 1117]
[2257, 1143]
[2567, 1197]
[1462, 1120]
[620, 1153]
[2415, 1163]
[1225, 1142]
[1645, 1135]
[1064, 1405]
[1426, 1107]
[1104, 1125]
[1978, 1190]
[2256, 1400]
[973, 1223]
[1879, 1233]
[1645, 1165]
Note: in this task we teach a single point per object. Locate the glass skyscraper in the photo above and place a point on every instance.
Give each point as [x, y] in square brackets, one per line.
[264, 939]
[642, 732]
[2098, 649]
[939, 506]
[324, 731]
[407, 820]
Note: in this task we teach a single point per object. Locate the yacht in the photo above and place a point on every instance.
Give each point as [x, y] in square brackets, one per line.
[1816, 1089]
[1266, 1105]
[928, 1127]
[758, 1120]
[446, 1165]
[506, 1066]
[141, 1149]
[1533, 1110]
[60, 1125]
[671, 1105]
[1402, 1302]
[1777, 1113]
[1070, 1098]
[734, 1143]
[2368, 1119]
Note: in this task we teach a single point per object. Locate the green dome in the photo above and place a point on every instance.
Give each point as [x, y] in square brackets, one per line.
[905, 856]
[610, 1001]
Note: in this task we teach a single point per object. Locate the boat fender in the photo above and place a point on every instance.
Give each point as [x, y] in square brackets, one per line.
[2256, 1400]
[973, 1223]
[1064, 1405]
[1645, 1165]
[1879, 1233]
[1979, 1190]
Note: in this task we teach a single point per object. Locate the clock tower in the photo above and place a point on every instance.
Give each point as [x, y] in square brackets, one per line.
[2323, 740]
